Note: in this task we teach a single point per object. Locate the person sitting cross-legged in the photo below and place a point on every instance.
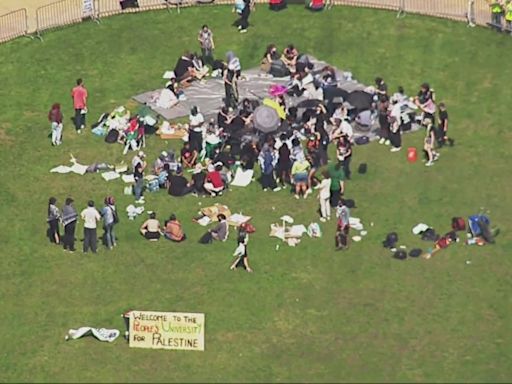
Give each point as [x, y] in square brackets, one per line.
[221, 231]
[150, 229]
[173, 230]
[178, 185]
[213, 182]
[188, 156]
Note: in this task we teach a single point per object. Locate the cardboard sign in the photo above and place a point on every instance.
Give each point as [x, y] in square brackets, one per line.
[88, 8]
[167, 330]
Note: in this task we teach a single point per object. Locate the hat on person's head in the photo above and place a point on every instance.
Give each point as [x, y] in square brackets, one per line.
[141, 154]
[163, 155]
[210, 167]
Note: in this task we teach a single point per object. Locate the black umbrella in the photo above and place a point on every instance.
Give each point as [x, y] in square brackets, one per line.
[266, 119]
[360, 100]
[309, 103]
[330, 93]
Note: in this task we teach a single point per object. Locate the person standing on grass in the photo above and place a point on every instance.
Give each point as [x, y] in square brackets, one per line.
[243, 22]
[443, 126]
[53, 221]
[79, 96]
[324, 195]
[109, 215]
[91, 217]
[69, 219]
[344, 154]
[337, 182]
[429, 143]
[205, 39]
[138, 175]
[242, 258]
[268, 159]
[300, 173]
[55, 117]
[342, 225]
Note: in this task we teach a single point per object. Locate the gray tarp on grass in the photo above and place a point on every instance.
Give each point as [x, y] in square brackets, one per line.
[209, 96]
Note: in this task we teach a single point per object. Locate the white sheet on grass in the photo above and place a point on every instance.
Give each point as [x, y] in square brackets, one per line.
[128, 178]
[102, 334]
[242, 178]
[111, 175]
[204, 221]
[76, 168]
[61, 169]
[79, 169]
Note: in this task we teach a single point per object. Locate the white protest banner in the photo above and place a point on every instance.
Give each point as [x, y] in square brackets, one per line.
[88, 8]
[167, 330]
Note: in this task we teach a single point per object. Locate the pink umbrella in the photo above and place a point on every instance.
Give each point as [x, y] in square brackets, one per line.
[277, 90]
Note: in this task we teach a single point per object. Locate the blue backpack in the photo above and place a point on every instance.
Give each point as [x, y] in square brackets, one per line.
[474, 224]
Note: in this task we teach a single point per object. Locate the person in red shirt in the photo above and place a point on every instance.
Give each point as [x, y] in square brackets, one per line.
[79, 96]
[213, 182]
[55, 118]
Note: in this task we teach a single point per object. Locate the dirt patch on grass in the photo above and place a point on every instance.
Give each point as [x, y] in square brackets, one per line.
[4, 136]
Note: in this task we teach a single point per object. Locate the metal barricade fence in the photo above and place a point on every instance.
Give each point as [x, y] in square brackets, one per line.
[13, 24]
[381, 4]
[64, 12]
[113, 7]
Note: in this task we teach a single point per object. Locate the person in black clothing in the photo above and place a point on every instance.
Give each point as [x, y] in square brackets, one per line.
[184, 69]
[231, 89]
[381, 89]
[284, 164]
[198, 178]
[321, 118]
[243, 22]
[384, 123]
[178, 184]
[69, 219]
[249, 155]
[344, 152]
[224, 118]
[443, 126]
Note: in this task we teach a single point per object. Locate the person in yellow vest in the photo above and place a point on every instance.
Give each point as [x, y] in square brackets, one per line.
[497, 10]
[508, 16]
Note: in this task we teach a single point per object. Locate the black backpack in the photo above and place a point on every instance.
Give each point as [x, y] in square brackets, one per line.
[361, 140]
[207, 238]
[400, 254]
[363, 167]
[416, 252]
[391, 240]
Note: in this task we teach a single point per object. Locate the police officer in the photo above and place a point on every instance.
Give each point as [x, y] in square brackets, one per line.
[508, 16]
[496, 12]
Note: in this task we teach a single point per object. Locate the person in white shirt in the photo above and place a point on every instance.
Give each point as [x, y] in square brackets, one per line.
[242, 260]
[91, 217]
[324, 196]
[196, 131]
[139, 158]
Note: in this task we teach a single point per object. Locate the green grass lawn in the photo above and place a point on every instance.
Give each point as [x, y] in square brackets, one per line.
[307, 313]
